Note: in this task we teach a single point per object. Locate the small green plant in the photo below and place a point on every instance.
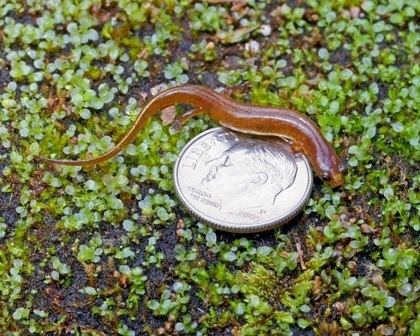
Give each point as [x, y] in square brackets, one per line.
[59, 269]
[91, 252]
[207, 18]
[175, 71]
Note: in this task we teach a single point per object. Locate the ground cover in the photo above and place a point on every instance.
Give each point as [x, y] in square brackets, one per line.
[109, 251]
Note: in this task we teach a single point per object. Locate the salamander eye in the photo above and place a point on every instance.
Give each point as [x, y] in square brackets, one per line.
[325, 175]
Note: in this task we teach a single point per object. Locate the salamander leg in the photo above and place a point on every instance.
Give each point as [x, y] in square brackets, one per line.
[297, 147]
[183, 118]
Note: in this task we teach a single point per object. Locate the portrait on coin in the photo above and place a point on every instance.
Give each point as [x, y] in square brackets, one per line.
[249, 174]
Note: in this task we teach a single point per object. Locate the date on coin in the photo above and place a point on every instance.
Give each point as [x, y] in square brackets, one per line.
[238, 183]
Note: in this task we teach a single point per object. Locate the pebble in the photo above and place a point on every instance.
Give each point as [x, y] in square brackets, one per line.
[366, 228]
[210, 45]
[354, 12]
[253, 47]
[158, 89]
[339, 306]
[385, 330]
[167, 115]
[233, 61]
[265, 30]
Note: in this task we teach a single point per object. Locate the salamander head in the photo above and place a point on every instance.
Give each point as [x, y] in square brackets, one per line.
[334, 174]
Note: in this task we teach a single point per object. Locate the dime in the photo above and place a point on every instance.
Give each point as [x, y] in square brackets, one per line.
[239, 183]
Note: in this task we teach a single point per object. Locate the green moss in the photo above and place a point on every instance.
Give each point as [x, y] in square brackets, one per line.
[73, 78]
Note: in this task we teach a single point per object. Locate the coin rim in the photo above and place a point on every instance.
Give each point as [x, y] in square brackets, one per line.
[237, 228]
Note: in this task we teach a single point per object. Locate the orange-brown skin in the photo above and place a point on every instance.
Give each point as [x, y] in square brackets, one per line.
[303, 132]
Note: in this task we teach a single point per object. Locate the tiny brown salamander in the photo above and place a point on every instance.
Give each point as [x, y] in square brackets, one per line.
[303, 132]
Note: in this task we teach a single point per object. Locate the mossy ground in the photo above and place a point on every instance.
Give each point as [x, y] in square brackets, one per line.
[109, 251]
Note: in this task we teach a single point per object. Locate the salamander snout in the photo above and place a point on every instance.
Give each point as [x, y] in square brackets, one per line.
[336, 180]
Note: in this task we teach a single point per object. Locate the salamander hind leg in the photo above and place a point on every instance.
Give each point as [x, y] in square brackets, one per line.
[183, 118]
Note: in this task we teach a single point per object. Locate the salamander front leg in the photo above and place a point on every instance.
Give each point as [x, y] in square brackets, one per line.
[297, 147]
[183, 118]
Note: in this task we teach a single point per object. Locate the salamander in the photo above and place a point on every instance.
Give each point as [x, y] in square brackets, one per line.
[301, 131]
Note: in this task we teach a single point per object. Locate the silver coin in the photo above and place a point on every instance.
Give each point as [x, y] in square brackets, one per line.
[239, 183]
